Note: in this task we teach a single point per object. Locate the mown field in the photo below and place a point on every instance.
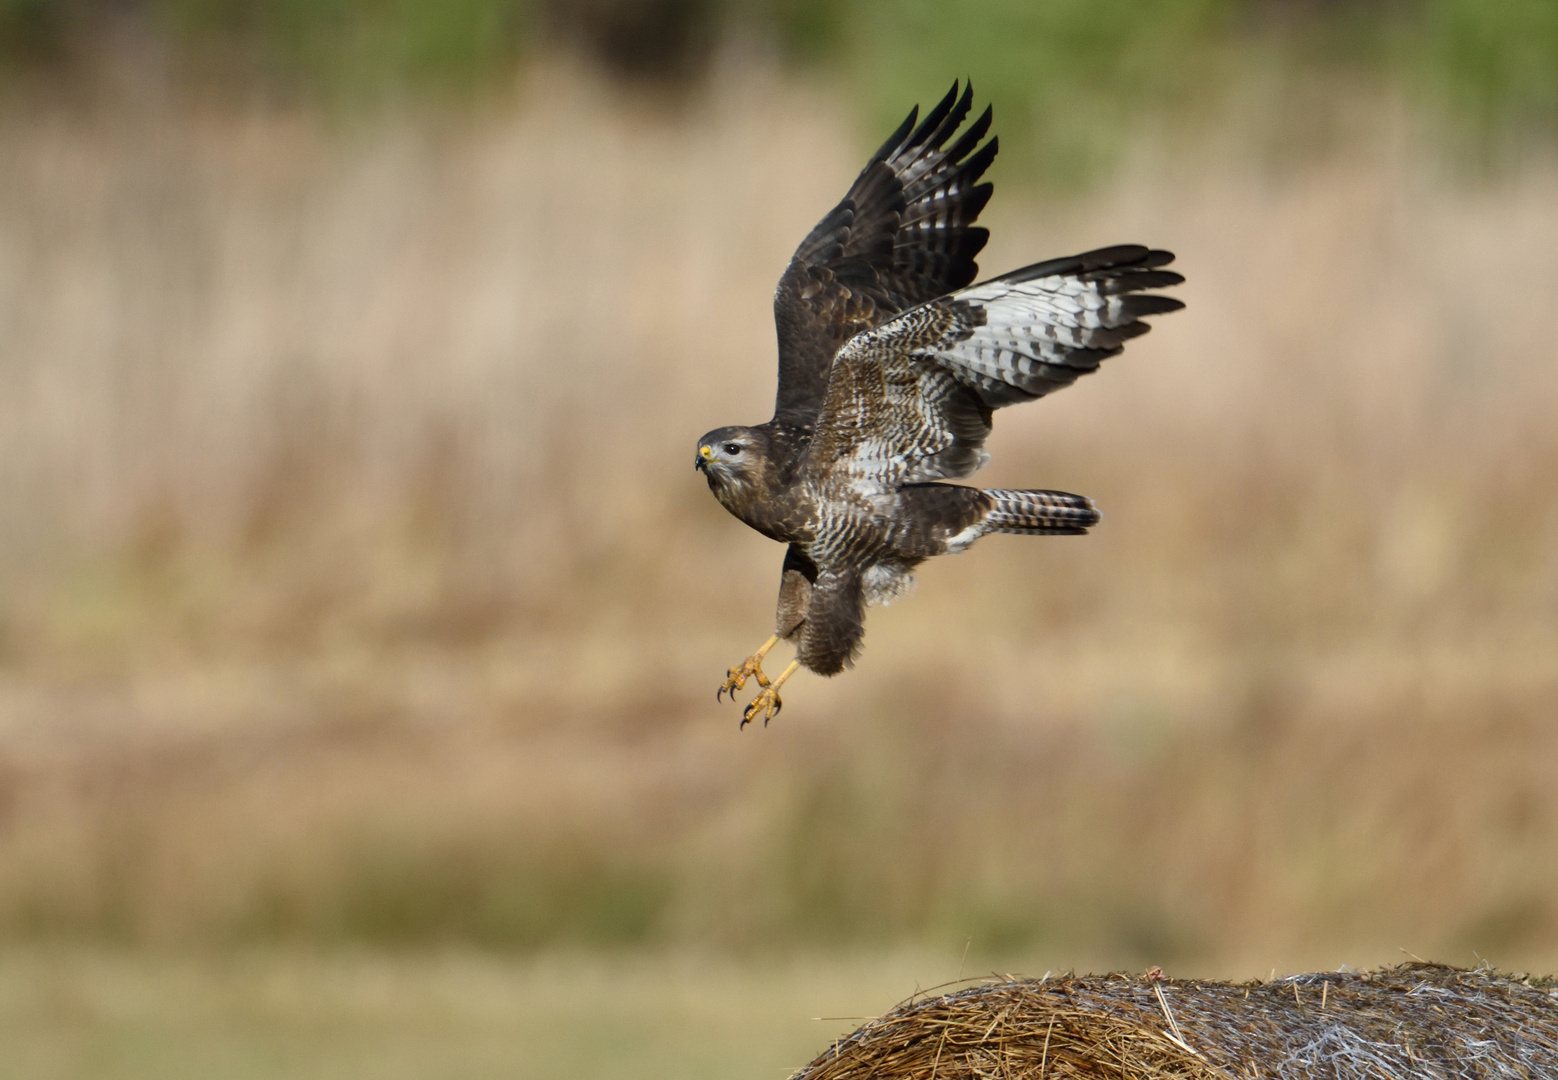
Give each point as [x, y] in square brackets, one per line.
[108, 1014]
[360, 618]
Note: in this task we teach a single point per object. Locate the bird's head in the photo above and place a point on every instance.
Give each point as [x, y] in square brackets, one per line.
[731, 457]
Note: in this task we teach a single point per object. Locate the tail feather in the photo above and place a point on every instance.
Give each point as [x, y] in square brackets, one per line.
[1040, 513]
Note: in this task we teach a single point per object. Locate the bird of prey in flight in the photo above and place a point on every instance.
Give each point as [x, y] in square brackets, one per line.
[890, 366]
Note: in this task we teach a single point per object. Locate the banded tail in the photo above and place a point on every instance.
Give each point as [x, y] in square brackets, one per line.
[1040, 513]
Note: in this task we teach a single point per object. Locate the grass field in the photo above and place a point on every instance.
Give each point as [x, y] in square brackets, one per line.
[113, 1015]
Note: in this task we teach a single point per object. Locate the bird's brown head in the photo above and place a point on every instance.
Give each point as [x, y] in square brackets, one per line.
[732, 460]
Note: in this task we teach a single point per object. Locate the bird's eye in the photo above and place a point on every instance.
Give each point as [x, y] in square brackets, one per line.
[732, 448]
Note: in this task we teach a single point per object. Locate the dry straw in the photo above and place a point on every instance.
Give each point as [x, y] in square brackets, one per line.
[1417, 1020]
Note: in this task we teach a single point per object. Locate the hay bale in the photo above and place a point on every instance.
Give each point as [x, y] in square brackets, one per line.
[1417, 1020]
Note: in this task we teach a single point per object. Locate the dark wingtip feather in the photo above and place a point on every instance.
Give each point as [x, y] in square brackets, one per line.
[1134, 280]
[1150, 304]
[974, 202]
[975, 166]
[1110, 257]
[895, 140]
[1132, 259]
[1068, 264]
[953, 118]
[1117, 336]
[970, 138]
[933, 118]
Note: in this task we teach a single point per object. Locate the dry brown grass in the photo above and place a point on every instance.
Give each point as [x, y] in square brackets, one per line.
[1414, 1020]
[355, 582]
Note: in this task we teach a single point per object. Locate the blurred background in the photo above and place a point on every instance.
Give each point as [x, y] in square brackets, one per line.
[360, 617]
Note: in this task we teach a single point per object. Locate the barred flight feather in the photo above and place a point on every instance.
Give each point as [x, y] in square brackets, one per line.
[1033, 333]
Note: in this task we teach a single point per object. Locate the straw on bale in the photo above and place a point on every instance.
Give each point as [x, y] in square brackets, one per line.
[1417, 1020]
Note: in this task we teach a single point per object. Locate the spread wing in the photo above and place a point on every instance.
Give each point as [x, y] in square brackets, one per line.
[911, 400]
[904, 234]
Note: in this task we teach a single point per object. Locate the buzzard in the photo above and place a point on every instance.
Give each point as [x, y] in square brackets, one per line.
[890, 366]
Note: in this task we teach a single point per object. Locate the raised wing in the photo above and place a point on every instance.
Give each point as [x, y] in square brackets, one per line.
[903, 234]
[911, 400]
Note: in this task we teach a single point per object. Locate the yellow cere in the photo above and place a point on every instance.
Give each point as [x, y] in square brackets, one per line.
[706, 451]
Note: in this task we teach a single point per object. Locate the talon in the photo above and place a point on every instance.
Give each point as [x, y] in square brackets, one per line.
[736, 678]
[767, 702]
[751, 667]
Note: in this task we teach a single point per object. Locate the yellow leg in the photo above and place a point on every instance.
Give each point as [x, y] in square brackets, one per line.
[767, 701]
[751, 667]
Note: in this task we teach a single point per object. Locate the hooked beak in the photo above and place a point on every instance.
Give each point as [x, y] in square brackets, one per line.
[705, 455]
